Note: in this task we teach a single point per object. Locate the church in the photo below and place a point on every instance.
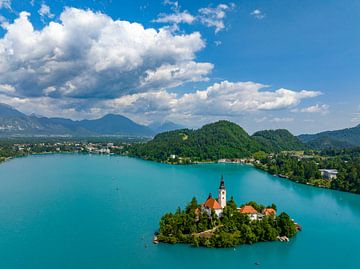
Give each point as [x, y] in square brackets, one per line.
[216, 204]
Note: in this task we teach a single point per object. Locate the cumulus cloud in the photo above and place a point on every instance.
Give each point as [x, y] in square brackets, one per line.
[214, 16]
[45, 11]
[258, 14]
[90, 55]
[208, 16]
[318, 108]
[220, 99]
[224, 99]
[179, 17]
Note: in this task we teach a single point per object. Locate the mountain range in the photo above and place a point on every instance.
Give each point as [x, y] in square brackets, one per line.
[345, 138]
[15, 123]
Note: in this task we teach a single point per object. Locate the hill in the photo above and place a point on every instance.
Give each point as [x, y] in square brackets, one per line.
[15, 123]
[278, 140]
[345, 138]
[222, 139]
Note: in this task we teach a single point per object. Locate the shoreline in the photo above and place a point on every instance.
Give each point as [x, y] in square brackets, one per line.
[193, 163]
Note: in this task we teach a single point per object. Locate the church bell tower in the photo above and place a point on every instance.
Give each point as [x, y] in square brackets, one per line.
[222, 193]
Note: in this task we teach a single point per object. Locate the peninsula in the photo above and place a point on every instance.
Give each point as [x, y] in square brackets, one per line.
[220, 223]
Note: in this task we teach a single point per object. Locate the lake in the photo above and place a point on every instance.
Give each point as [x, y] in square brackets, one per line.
[88, 211]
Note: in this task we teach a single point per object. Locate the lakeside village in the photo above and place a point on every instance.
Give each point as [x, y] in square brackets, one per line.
[23, 149]
[326, 175]
[221, 223]
[322, 177]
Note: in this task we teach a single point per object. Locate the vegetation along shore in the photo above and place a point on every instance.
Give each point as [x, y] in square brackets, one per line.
[275, 151]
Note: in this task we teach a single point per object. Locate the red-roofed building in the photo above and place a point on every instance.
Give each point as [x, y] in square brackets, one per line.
[251, 212]
[210, 204]
[269, 211]
[216, 204]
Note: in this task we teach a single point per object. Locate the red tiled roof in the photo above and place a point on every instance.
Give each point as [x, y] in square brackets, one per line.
[212, 203]
[269, 211]
[247, 209]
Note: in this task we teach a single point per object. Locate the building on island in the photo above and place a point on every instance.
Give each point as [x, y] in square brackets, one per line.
[219, 204]
[251, 212]
[329, 174]
[269, 211]
[211, 204]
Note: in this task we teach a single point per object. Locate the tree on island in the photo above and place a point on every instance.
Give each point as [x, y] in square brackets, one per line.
[233, 228]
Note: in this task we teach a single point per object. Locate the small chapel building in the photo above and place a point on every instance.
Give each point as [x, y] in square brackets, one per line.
[216, 204]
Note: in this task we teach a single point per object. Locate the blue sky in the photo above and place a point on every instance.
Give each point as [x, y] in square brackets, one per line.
[263, 64]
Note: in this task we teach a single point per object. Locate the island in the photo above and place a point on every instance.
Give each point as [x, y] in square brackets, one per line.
[220, 223]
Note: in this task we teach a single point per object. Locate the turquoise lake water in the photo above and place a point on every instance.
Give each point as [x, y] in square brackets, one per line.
[88, 211]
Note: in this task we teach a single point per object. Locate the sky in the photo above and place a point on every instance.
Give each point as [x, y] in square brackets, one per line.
[262, 64]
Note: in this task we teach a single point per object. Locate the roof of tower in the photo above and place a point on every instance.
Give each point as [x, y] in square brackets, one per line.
[222, 183]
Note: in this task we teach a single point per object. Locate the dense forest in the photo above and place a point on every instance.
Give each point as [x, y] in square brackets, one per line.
[231, 229]
[222, 139]
[339, 139]
[278, 140]
[304, 168]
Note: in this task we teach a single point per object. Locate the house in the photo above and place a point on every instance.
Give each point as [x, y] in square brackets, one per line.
[251, 212]
[269, 211]
[217, 205]
[329, 174]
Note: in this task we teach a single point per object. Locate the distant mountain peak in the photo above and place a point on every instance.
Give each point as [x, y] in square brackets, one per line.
[13, 122]
[7, 110]
[164, 126]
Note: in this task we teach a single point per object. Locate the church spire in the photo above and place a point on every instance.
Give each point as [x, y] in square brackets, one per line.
[222, 193]
[222, 183]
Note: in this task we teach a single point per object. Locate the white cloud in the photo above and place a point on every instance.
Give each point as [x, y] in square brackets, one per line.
[225, 99]
[90, 55]
[5, 4]
[6, 88]
[258, 14]
[214, 17]
[284, 119]
[220, 99]
[45, 11]
[318, 108]
[173, 4]
[180, 17]
[208, 16]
